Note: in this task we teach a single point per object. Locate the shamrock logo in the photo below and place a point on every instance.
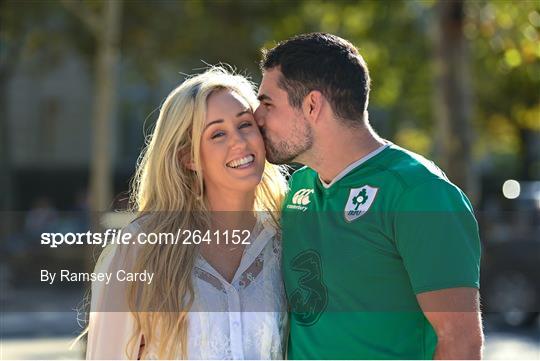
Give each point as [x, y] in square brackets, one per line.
[362, 195]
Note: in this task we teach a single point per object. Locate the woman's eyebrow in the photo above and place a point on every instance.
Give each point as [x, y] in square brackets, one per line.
[213, 122]
[247, 110]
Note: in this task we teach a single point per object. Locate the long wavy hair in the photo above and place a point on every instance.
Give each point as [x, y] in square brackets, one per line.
[169, 196]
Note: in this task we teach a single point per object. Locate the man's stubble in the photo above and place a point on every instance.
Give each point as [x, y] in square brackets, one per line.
[286, 151]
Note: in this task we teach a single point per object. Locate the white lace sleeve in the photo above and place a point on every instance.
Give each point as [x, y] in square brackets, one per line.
[111, 325]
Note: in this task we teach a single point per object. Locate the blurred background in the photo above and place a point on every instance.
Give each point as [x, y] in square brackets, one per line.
[81, 83]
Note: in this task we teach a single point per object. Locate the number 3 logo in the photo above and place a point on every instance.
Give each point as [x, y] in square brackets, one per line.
[309, 299]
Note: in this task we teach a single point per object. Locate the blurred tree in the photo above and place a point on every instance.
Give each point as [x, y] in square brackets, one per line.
[452, 96]
[499, 86]
[164, 38]
[506, 77]
[105, 27]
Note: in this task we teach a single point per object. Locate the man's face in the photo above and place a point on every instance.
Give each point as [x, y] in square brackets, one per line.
[286, 132]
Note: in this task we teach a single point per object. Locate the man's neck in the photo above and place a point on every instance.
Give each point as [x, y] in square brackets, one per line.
[338, 150]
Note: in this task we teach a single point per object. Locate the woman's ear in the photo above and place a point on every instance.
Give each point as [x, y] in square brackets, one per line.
[184, 157]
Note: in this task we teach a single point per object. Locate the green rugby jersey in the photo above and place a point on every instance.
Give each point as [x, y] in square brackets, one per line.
[358, 251]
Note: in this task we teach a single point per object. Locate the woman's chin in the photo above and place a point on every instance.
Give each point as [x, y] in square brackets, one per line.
[246, 182]
[249, 183]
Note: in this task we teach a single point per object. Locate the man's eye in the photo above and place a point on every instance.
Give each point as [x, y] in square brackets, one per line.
[217, 135]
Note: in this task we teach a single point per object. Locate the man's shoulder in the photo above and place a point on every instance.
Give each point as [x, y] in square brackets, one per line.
[302, 176]
[424, 184]
[410, 168]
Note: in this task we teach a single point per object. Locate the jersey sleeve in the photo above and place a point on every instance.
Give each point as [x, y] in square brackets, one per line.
[437, 237]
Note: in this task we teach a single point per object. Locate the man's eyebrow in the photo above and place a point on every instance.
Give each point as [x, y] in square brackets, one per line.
[263, 97]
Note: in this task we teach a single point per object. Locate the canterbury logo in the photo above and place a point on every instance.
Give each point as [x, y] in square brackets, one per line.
[301, 197]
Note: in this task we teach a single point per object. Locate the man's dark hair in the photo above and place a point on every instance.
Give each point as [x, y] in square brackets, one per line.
[323, 62]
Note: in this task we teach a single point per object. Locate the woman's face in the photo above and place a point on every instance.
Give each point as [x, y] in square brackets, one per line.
[232, 149]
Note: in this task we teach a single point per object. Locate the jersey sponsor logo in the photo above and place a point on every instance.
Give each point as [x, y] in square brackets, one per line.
[300, 199]
[308, 301]
[359, 202]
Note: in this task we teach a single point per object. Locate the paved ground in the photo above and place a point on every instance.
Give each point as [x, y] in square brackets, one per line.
[523, 344]
[57, 348]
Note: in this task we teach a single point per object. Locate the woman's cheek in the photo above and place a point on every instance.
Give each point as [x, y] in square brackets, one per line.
[257, 138]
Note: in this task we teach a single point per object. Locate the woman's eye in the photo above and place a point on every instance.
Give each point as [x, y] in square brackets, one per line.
[245, 125]
[217, 135]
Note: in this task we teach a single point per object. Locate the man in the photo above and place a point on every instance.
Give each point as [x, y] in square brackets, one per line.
[381, 252]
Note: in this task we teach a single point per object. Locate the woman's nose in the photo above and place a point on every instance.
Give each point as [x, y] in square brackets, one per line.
[238, 140]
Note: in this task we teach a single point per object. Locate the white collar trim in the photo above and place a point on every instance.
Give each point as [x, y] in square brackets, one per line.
[266, 233]
[353, 165]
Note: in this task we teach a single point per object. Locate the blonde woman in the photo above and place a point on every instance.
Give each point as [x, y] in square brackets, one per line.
[203, 170]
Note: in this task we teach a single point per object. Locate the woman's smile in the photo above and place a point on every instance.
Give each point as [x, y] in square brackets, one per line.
[242, 163]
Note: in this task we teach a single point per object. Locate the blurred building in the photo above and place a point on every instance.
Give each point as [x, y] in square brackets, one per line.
[48, 115]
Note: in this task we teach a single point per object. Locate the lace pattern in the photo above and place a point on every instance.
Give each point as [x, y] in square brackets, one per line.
[245, 319]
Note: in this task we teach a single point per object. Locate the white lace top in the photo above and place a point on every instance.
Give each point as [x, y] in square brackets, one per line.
[244, 319]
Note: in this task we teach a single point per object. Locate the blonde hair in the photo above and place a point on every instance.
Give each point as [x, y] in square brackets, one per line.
[172, 198]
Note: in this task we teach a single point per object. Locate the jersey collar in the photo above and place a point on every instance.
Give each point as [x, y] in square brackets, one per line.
[353, 165]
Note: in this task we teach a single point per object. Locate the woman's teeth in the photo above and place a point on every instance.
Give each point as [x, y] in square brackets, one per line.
[241, 162]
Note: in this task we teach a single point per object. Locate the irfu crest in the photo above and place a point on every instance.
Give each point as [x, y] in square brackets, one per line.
[360, 200]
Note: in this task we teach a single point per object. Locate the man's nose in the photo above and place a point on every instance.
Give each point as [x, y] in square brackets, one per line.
[258, 116]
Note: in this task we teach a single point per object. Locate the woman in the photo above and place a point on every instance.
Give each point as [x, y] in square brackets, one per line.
[203, 170]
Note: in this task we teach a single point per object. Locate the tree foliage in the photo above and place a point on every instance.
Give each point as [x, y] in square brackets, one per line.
[164, 38]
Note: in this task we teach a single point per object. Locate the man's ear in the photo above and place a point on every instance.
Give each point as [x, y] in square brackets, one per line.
[184, 157]
[312, 104]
